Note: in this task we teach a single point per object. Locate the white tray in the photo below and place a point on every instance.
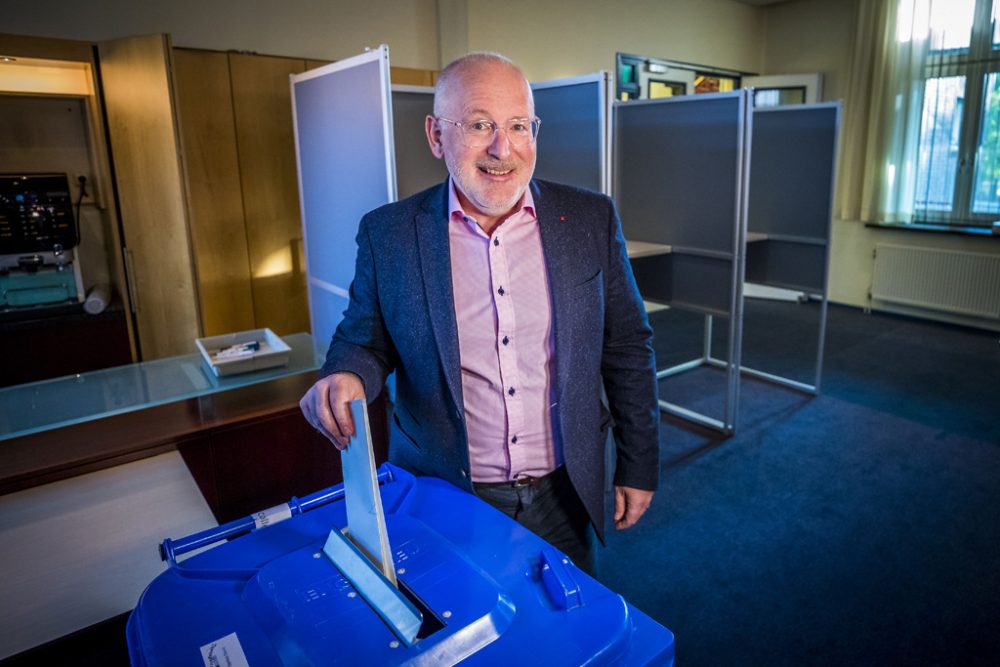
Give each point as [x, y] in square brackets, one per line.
[273, 352]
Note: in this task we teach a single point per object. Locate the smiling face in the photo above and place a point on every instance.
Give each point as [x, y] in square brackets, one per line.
[489, 180]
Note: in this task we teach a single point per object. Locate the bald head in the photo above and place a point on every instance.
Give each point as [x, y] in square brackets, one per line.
[480, 64]
[489, 170]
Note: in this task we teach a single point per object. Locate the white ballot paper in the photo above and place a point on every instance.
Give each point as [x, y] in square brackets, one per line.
[365, 518]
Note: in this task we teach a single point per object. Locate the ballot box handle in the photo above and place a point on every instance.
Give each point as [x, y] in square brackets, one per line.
[171, 549]
[559, 582]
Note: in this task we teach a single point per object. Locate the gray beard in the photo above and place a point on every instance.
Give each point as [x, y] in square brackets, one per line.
[491, 208]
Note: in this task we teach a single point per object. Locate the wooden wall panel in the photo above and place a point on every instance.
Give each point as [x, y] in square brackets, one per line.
[141, 127]
[215, 195]
[313, 64]
[263, 110]
[413, 77]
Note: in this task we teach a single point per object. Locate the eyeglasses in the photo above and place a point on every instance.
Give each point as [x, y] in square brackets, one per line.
[480, 133]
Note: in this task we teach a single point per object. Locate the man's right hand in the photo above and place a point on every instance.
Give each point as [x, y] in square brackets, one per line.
[327, 406]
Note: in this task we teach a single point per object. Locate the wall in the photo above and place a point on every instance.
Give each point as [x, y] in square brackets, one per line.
[304, 28]
[811, 36]
[552, 40]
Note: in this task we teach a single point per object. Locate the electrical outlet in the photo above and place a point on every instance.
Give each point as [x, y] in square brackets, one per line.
[80, 183]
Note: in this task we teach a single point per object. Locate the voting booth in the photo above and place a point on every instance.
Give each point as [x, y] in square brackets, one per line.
[790, 213]
[680, 183]
[715, 195]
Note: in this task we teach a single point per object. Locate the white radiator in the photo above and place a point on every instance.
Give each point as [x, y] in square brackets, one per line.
[964, 283]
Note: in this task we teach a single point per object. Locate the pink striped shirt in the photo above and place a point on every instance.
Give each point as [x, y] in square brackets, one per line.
[505, 341]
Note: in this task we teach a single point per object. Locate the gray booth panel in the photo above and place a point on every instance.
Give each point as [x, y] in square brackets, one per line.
[702, 284]
[791, 171]
[571, 134]
[687, 282]
[677, 170]
[343, 173]
[416, 167]
[795, 266]
[326, 311]
[652, 276]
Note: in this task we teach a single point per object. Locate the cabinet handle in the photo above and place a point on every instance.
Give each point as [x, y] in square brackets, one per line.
[133, 293]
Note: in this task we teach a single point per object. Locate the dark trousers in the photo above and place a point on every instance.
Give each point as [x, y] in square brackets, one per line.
[551, 509]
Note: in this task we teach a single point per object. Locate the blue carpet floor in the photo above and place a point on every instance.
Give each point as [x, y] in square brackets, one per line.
[861, 526]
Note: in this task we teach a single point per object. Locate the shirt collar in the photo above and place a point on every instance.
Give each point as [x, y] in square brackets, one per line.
[455, 210]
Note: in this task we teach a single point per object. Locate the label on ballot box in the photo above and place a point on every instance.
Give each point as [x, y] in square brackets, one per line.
[224, 652]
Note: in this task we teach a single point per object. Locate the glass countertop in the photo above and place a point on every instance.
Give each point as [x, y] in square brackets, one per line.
[39, 406]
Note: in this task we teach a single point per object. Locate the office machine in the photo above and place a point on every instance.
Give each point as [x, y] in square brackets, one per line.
[426, 575]
[38, 238]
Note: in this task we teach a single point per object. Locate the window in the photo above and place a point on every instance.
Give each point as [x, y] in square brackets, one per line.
[772, 97]
[643, 77]
[958, 151]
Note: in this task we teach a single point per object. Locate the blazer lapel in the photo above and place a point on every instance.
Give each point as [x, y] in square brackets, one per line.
[435, 268]
[558, 246]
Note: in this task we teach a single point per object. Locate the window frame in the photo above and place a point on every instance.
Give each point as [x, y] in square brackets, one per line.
[975, 64]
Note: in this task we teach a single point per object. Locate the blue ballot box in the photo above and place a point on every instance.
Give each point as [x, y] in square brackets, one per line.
[489, 591]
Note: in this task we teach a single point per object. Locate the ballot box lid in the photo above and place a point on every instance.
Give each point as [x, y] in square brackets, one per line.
[491, 592]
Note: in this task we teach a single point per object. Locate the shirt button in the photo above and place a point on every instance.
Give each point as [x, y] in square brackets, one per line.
[513, 440]
[500, 291]
[510, 392]
[505, 340]
[496, 242]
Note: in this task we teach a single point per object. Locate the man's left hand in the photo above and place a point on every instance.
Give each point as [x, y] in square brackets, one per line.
[630, 504]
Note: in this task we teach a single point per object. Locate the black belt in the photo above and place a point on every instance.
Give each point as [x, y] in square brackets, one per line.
[523, 481]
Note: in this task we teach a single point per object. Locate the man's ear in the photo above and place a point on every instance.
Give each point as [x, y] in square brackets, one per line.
[433, 130]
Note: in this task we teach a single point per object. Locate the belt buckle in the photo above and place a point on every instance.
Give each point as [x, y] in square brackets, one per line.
[521, 482]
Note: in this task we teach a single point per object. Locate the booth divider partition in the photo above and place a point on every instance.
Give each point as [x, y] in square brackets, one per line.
[416, 167]
[790, 212]
[575, 139]
[680, 182]
[344, 147]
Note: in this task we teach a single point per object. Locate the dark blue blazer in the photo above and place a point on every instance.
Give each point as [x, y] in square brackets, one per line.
[402, 317]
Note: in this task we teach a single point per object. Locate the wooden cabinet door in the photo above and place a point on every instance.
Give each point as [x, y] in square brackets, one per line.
[263, 111]
[215, 194]
[142, 130]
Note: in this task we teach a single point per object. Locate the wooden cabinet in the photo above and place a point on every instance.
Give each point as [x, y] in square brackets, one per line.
[262, 108]
[409, 76]
[138, 97]
[235, 118]
[215, 196]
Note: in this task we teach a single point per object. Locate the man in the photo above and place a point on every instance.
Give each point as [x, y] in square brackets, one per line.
[505, 305]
